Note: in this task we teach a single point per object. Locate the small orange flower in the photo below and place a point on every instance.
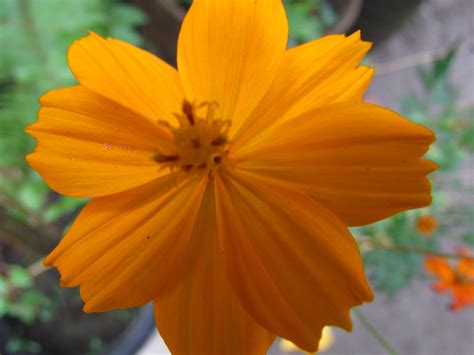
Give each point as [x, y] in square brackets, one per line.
[459, 280]
[426, 225]
[222, 191]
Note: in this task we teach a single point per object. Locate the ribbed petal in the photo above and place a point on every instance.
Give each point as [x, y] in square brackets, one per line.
[201, 315]
[293, 264]
[89, 146]
[359, 160]
[124, 249]
[127, 75]
[229, 52]
[312, 75]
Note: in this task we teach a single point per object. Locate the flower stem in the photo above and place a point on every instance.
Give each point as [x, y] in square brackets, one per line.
[407, 249]
[37, 268]
[373, 331]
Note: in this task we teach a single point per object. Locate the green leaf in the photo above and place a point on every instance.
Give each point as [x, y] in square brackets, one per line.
[3, 286]
[391, 270]
[19, 277]
[469, 238]
[62, 206]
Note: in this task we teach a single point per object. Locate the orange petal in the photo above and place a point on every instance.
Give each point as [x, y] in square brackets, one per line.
[293, 264]
[229, 52]
[88, 146]
[124, 249]
[441, 286]
[463, 295]
[127, 75]
[312, 75]
[441, 268]
[201, 315]
[466, 263]
[359, 160]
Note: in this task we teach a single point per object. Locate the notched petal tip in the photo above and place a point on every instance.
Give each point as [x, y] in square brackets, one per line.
[430, 165]
[30, 129]
[358, 35]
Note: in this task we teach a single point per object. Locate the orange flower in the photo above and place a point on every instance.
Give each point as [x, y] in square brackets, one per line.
[459, 280]
[426, 225]
[222, 191]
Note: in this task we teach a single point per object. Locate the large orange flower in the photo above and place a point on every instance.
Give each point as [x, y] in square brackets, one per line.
[223, 191]
[459, 279]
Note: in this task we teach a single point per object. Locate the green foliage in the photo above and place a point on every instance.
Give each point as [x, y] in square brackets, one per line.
[20, 299]
[95, 346]
[308, 19]
[20, 344]
[438, 109]
[469, 238]
[390, 270]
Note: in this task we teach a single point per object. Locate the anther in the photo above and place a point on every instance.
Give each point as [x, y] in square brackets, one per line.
[219, 140]
[188, 111]
[162, 158]
[217, 159]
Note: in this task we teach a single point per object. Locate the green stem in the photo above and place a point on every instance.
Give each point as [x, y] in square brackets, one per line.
[406, 249]
[373, 331]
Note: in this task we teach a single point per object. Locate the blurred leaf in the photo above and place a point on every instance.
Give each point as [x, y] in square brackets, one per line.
[469, 238]
[61, 207]
[391, 270]
[31, 194]
[19, 345]
[96, 344]
[19, 277]
[467, 131]
[308, 19]
[439, 70]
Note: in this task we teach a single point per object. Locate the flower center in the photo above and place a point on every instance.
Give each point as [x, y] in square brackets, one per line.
[200, 142]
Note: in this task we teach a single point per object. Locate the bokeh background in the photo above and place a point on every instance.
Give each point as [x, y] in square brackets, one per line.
[423, 55]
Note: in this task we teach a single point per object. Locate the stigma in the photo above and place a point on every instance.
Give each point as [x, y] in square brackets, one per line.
[200, 142]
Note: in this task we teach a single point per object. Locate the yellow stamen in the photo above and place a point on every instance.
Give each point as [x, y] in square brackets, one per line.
[200, 141]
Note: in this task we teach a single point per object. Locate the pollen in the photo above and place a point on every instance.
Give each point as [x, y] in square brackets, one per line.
[199, 142]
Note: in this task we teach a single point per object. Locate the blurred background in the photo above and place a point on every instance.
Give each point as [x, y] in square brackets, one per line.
[423, 55]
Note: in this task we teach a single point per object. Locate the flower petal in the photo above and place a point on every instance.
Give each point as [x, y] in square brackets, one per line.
[201, 315]
[124, 249]
[312, 75]
[440, 267]
[229, 52]
[359, 160]
[127, 75]
[89, 146]
[293, 264]
[466, 264]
